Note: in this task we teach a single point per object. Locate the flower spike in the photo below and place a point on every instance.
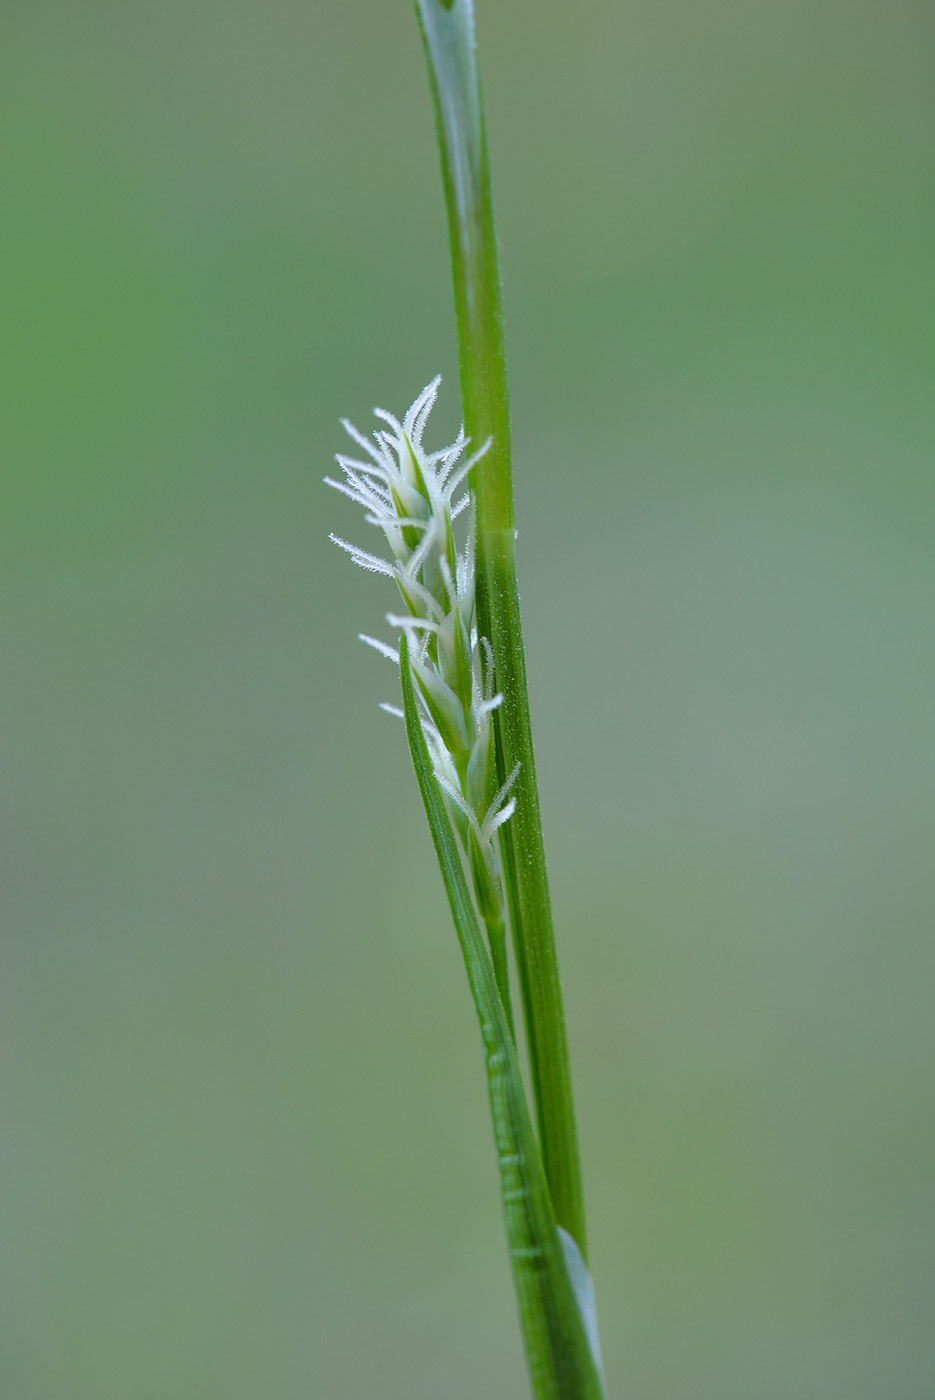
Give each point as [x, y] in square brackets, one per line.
[409, 494]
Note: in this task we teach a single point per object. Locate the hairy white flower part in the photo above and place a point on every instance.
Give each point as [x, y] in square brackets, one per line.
[411, 496]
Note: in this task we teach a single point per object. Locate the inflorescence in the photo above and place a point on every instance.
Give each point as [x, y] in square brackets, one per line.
[410, 494]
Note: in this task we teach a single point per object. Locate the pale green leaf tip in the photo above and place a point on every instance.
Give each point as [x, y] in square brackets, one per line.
[583, 1288]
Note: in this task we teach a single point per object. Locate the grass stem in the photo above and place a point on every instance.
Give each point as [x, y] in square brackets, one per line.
[450, 45]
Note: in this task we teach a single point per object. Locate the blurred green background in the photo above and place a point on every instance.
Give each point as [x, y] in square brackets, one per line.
[245, 1150]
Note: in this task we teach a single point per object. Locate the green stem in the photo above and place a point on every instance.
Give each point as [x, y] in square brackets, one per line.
[448, 34]
[557, 1318]
[496, 937]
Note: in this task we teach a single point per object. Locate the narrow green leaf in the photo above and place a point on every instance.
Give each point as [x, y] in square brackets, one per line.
[561, 1363]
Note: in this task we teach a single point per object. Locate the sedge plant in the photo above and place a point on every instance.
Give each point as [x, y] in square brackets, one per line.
[448, 546]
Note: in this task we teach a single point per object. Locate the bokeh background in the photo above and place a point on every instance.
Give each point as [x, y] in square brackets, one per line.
[245, 1150]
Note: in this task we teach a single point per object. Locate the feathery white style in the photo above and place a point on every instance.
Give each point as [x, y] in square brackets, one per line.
[410, 495]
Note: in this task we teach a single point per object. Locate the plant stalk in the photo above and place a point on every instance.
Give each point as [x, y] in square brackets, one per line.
[449, 38]
[559, 1331]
